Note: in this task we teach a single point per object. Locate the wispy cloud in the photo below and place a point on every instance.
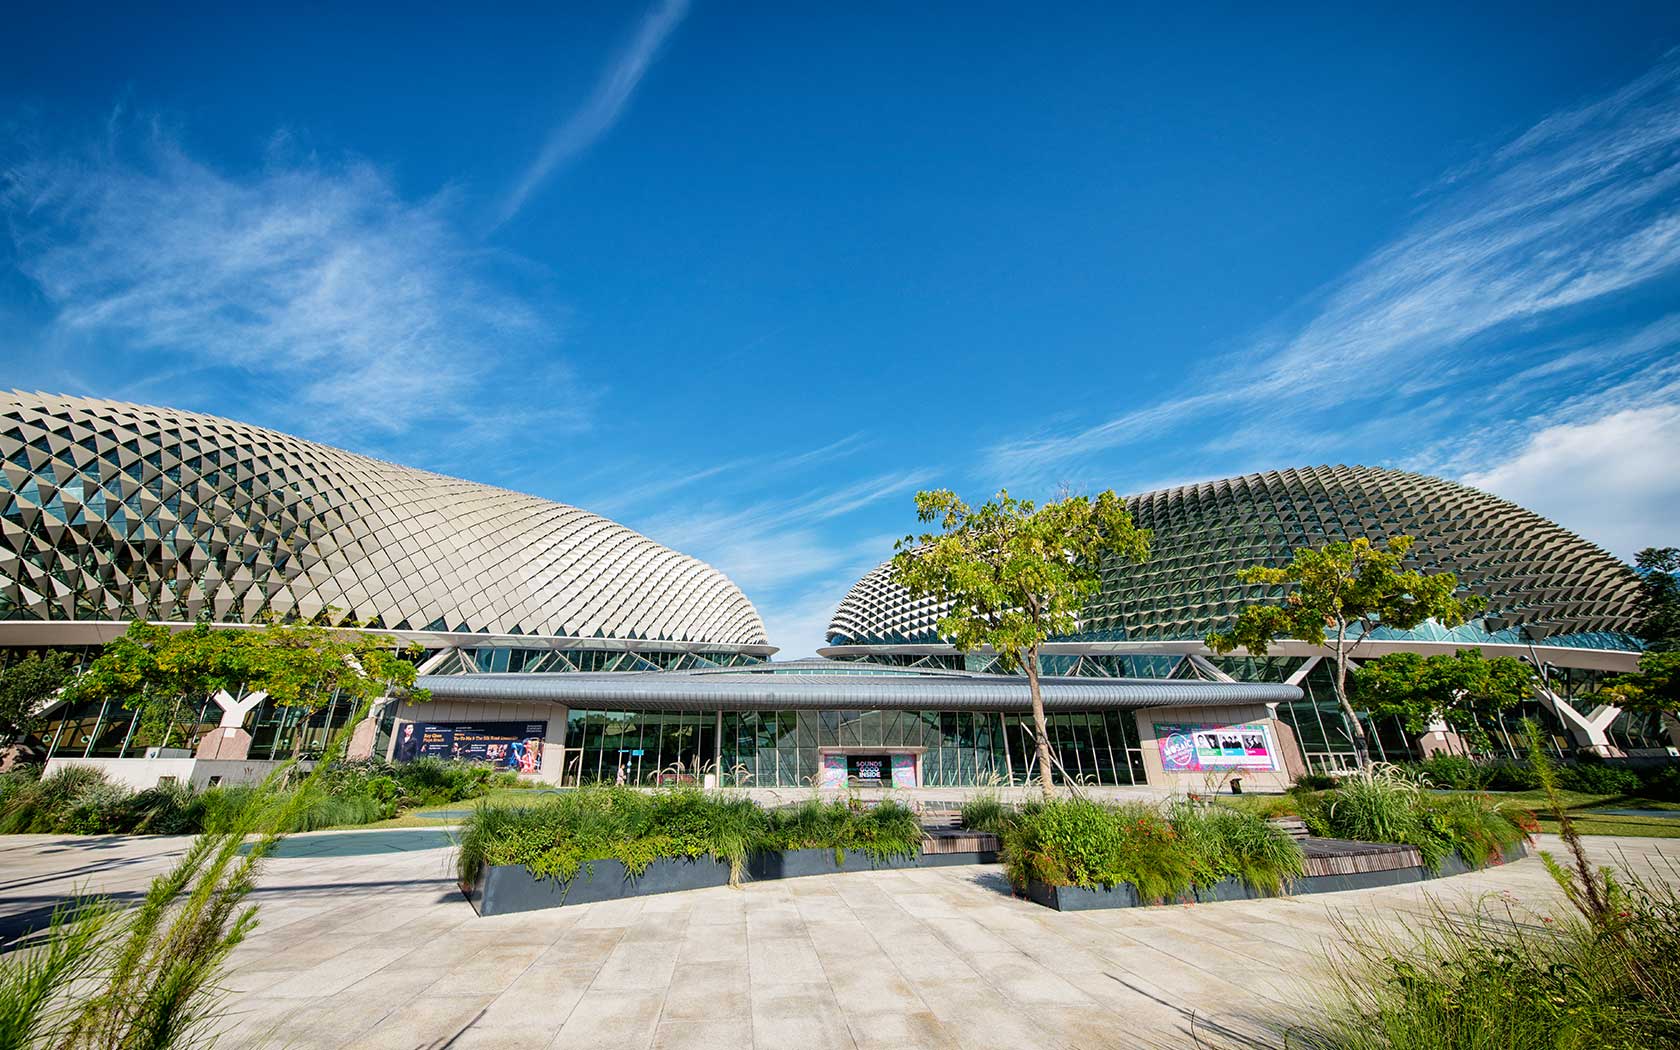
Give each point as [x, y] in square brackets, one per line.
[780, 552]
[329, 293]
[1584, 205]
[601, 110]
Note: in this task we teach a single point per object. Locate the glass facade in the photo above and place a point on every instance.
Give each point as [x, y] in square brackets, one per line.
[784, 748]
[108, 730]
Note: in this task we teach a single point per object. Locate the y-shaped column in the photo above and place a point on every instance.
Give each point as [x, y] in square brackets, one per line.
[230, 740]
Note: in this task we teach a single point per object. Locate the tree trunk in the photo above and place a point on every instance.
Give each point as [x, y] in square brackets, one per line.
[1361, 747]
[1041, 727]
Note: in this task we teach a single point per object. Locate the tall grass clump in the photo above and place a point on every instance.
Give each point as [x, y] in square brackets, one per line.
[1601, 972]
[1389, 804]
[1235, 844]
[103, 977]
[983, 811]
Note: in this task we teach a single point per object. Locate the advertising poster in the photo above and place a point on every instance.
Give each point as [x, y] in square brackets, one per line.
[904, 771]
[833, 770]
[513, 746]
[1192, 747]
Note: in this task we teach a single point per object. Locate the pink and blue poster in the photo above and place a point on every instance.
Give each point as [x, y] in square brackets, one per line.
[1193, 747]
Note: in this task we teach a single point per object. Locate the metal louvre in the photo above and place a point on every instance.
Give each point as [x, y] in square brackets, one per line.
[112, 511]
[1540, 580]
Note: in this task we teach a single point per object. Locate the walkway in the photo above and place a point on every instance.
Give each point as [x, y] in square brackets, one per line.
[377, 950]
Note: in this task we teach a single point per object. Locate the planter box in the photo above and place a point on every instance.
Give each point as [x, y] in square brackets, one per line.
[1078, 898]
[503, 889]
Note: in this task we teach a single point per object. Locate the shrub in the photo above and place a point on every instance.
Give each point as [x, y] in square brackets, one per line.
[1076, 842]
[43, 806]
[1598, 779]
[558, 837]
[1453, 771]
[1661, 783]
[1315, 782]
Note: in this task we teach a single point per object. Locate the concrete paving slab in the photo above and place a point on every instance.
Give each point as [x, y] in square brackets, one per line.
[377, 949]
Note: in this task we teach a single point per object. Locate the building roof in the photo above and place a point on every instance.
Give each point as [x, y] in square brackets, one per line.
[112, 511]
[1540, 581]
[823, 684]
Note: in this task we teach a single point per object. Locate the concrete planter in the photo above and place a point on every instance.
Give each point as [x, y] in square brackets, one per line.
[1078, 898]
[504, 889]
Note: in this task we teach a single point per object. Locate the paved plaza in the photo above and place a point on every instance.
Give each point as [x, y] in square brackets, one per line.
[366, 943]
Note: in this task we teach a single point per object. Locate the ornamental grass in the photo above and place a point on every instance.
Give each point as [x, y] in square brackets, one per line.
[560, 836]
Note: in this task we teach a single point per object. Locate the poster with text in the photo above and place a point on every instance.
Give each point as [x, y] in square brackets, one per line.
[833, 770]
[1192, 748]
[514, 746]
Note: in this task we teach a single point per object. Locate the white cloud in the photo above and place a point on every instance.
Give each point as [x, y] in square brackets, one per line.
[1584, 205]
[359, 309]
[1612, 480]
[603, 107]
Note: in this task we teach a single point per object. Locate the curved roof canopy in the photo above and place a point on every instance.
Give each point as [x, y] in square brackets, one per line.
[112, 511]
[826, 685]
[1541, 581]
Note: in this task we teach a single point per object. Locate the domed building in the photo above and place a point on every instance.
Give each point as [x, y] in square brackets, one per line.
[1552, 598]
[111, 512]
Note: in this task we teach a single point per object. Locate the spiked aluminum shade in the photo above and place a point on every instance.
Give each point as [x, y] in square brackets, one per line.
[111, 511]
[1540, 580]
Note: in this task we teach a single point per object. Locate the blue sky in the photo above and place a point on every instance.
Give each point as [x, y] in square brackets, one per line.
[746, 276]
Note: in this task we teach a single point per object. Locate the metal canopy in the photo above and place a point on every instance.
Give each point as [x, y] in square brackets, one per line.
[748, 691]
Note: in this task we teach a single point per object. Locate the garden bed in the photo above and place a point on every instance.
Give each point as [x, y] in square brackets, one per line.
[506, 888]
[1338, 867]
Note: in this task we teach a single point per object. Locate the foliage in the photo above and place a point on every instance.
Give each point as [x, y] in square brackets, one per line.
[1497, 979]
[1464, 690]
[1015, 574]
[25, 687]
[982, 811]
[1387, 804]
[1341, 587]
[1606, 975]
[1316, 781]
[149, 977]
[81, 800]
[1162, 854]
[165, 676]
[558, 837]
[1654, 687]
[1458, 773]
[1658, 605]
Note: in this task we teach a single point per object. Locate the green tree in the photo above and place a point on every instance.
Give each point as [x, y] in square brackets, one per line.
[1336, 595]
[1655, 687]
[1463, 690]
[1659, 598]
[25, 687]
[1015, 574]
[167, 676]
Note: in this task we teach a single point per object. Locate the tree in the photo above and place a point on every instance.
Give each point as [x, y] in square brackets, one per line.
[25, 687]
[1015, 574]
[1655, 687]
[164, 675]
[1462, 690]
[1659, 598]
[1336, 595]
